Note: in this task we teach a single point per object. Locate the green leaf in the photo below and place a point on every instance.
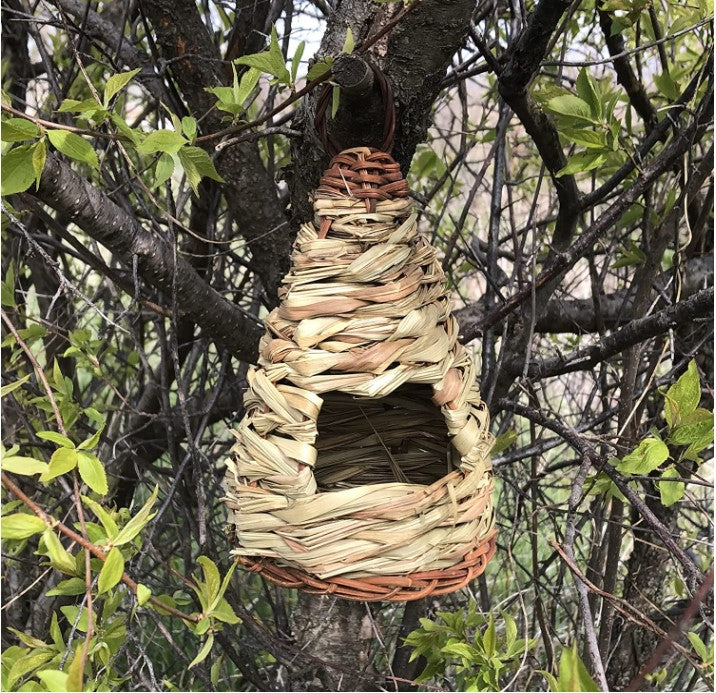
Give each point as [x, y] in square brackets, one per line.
[648, 455]
[335, 100]
[86, 106]
[215, 672]
[212, 580]
[489, 639]
[570, 106]
[75, 671]
[197, 164]
[226, 98]
[589, 92]
[7, 389]
[296, 60]
[167, 141]
[698, 435]
[203, 652]
[163, 170]
[668, 88]
[143, 594]
[56, 632]
[503, 441]
[573, 675]
[670, 491]
[138, 522]
[111, 572]
[349, 44]
[18, 171]
[73, 146]
[128, 133]
[189, 127]
[630, 255]
[59, 557]
[63, 460]
[319, 69]
[25, 466]
[224, 612]
[592, 139]
[39, 156]
[582, 162]
[18, 130]
[8, 288]
[249, 80]
[70, 587]
[698, 644]
[459, 649]
[683, 396]
[53, 679]
[92, 472]
[551, 680]
[116, 83]
[56, 438]
[21, 526]
[74, 614]
[91, 442]
[109, 525]
[24, 665]
[272, 61]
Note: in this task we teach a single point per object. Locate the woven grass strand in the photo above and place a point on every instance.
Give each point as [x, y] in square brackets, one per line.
[361, 467]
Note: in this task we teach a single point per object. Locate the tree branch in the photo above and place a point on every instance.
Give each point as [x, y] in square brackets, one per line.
[251, 194]
[104, 32]
[96, 214]
[600, 463]
[523, 59]
[698, 306]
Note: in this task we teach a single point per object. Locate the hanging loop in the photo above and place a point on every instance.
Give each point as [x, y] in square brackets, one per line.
[331, 145]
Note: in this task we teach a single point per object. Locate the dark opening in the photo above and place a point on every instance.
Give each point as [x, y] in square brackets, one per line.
[401, 437]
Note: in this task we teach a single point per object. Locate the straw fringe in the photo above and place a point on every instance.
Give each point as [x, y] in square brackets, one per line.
[393, 499]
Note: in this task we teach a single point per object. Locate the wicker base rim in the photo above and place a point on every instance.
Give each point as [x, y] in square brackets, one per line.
[399, 588]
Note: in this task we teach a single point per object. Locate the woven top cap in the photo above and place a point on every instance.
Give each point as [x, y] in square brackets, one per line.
[364, 314]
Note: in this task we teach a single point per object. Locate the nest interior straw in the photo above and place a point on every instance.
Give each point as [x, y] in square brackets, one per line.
[361, 466]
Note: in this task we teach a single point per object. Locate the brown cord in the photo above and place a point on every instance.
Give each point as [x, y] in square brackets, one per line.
[321, 120]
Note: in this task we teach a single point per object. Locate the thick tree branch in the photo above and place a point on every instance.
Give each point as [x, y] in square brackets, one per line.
[578, 315]
[698, 306]
[96, 214]
[523, 59]
[437, 27]
[250, 192]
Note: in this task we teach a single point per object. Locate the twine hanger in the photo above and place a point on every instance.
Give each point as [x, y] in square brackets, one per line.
[330, 144]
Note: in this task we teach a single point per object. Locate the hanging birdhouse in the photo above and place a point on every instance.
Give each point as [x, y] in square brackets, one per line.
[361, 467]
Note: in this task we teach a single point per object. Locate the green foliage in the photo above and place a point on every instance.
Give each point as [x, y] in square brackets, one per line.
[271, 61]
[572, 676]
[469, 647]
[73, 146]
[586, 119]
[690, 431]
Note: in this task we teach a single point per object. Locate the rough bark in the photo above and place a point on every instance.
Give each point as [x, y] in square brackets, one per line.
[339, 634]
[414, 57]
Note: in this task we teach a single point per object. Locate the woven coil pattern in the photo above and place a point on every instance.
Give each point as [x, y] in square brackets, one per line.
[361, 466]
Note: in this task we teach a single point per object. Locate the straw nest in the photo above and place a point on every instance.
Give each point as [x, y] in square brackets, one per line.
[361, 466]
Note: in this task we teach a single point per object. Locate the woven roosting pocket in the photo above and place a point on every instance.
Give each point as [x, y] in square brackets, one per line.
[361, 467]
